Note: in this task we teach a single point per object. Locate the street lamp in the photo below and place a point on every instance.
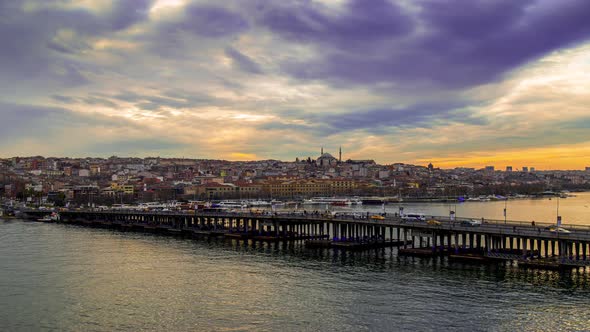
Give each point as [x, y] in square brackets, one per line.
[505, 206]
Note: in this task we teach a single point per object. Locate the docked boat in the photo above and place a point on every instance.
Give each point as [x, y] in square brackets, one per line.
[50, 217]
[232, 205]
[330, 201]
[258, 203]
[6, 215]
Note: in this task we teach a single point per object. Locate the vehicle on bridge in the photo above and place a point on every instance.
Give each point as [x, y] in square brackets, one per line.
[433, 222]
[377, 217]
[471, 222]
[414, 217]
[555, 229]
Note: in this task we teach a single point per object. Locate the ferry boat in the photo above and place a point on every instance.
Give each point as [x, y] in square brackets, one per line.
[232, 205]
[173, 205]
[333, 201]
[258, 203]
[276, 202]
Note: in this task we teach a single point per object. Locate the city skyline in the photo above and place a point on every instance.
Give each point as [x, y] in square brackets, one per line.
[411, 82]
[495, 167]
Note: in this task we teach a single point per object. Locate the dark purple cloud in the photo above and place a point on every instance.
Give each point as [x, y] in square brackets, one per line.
[206, 21]
[242, 62]
[364, 22]
[126, 13]
[205, 25]
[31, 48]
[379, 120]
[448, 44]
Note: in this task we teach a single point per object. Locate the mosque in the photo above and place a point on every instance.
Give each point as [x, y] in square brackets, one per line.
[327, 160]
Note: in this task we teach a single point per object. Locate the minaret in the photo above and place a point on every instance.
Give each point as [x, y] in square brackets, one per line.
[340, 154]
[321, 153]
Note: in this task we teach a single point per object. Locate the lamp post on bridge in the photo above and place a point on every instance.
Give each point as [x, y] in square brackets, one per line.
[505, 206]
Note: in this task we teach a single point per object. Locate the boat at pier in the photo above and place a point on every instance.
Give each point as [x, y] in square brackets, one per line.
[232, 205]
[50, 217]
[334, 201]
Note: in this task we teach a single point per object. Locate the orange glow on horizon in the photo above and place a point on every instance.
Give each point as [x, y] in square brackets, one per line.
[567, 157]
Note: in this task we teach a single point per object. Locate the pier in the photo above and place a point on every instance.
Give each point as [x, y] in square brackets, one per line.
[531, 246]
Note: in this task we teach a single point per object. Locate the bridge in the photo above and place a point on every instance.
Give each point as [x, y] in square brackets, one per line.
[530, 245]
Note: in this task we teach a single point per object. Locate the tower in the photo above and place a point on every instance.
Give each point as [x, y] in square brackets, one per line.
[340, 154]
[322, 152]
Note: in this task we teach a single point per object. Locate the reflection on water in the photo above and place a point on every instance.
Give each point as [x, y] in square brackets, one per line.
[73, 278]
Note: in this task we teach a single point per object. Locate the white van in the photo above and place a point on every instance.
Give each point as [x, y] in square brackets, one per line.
[414, 217]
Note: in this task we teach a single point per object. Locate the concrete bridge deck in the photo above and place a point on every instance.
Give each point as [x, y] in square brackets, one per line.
[492, 236]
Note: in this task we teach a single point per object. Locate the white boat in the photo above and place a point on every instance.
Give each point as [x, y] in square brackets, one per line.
[356, 201]
[258, 203]
[232, 205]
[50, 217]
[157, 206]
[330, 200]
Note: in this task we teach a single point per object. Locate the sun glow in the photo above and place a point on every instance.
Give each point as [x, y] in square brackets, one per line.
[166, 4]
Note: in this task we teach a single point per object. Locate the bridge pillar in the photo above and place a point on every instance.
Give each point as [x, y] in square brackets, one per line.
[449, 242]
[563, 252]
[405, 238]
[434, 242]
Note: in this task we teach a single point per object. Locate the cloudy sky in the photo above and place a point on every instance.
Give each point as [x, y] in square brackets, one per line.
[458, 82]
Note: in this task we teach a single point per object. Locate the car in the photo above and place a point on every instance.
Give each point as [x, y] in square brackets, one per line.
[555, 229]
[433, 222]
[471, 222]
[377, 217]
[414, 217]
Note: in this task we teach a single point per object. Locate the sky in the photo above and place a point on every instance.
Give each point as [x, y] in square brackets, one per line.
[459, 83]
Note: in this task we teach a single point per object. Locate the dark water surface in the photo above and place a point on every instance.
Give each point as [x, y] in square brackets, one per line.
[70, 278]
